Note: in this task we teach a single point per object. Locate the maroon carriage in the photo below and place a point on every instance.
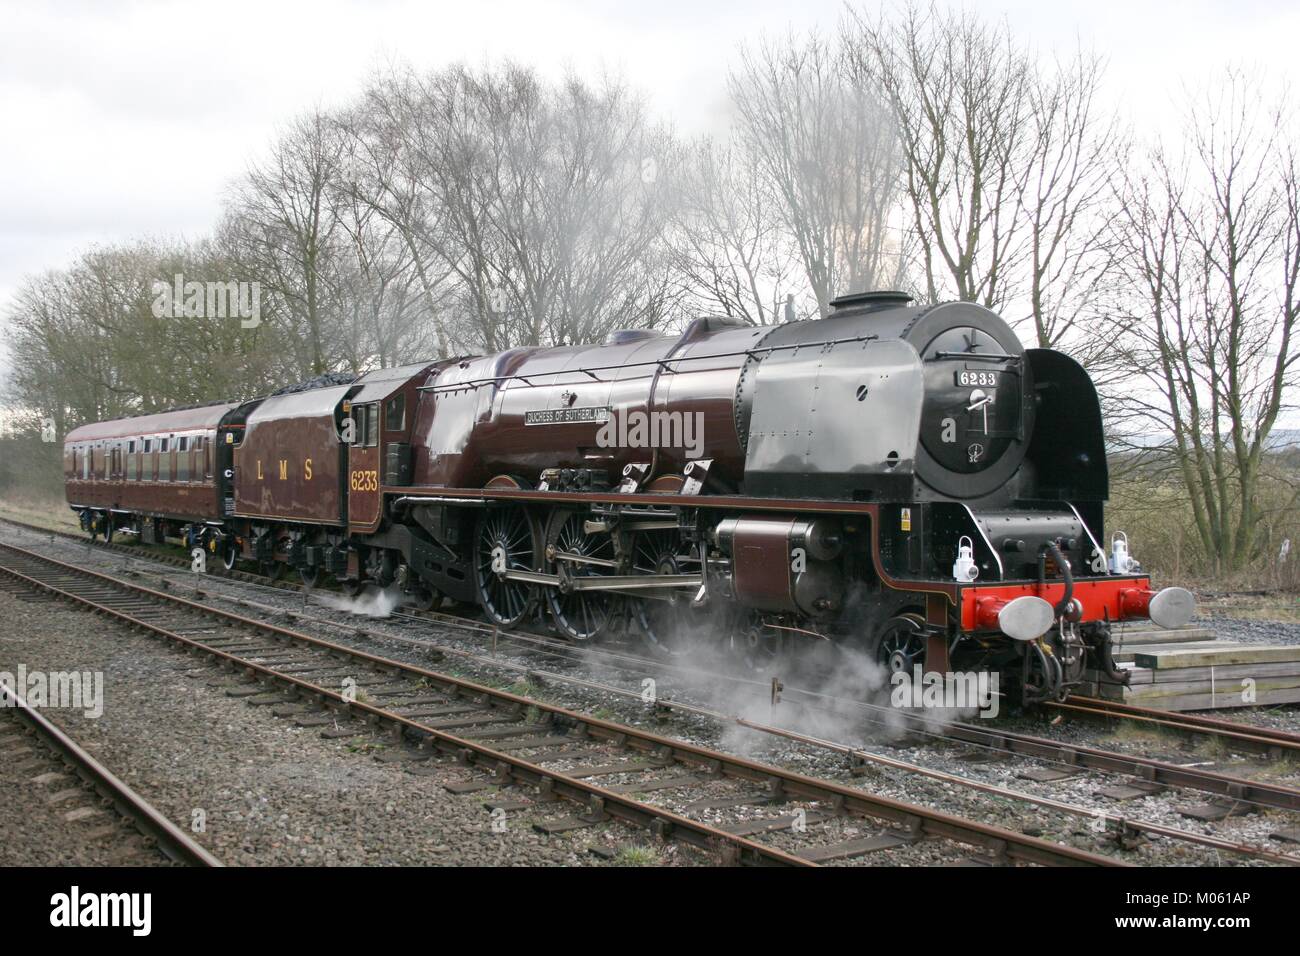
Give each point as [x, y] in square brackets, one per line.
[163, 469]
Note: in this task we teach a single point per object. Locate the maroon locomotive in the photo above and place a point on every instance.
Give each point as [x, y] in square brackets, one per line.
[910, 481]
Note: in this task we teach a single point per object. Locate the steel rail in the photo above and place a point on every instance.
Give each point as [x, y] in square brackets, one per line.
[171, 839]
[1267, 740]
[1145, 768]
[1124, 822]
[918, 820]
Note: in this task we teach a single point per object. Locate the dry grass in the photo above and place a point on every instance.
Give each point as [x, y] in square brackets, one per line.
[637, 856]
[46, 511]
[1285, 767]
[1275, 608]
[1157, 515]
[1136, 732]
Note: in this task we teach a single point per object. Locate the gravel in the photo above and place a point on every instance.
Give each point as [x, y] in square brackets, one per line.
[1250, 631]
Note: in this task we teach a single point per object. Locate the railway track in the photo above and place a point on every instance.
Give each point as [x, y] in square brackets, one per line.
[720, 803]
[1233, 794]
[168, 838]
[1240, 792]
[1057, 755]
[1268, 741]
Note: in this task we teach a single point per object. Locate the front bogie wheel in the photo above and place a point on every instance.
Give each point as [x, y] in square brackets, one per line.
[901, 647]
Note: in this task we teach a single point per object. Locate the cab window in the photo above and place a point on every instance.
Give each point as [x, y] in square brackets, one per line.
[395, 414]
[366, 420]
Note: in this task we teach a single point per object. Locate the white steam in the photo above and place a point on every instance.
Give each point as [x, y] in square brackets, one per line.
[371, 602]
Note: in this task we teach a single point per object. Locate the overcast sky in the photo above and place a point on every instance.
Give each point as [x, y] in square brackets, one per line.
[122, 120]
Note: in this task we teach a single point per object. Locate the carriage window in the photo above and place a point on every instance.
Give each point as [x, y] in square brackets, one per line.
[395, 414]
[86, 456]
[132, 462]
[166, 443]
[182, 460]
[148, 445]
[183, 444]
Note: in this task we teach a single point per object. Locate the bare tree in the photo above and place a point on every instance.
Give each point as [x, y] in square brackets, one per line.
[387, 150]
[539, 209]
[961, 96]
[731, 250]
[825, 143]
[1073, 153]
[1007, 160]
[89, 343]
[283, 226]
[1211, 259]
[379, 291]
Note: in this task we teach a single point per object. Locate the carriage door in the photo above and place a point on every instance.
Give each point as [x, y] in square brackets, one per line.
[363, 468]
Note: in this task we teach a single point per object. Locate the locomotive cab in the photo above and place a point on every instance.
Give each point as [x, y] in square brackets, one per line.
[375, 424]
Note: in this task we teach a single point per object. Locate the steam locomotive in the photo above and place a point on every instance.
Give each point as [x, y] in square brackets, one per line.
[909, 482]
